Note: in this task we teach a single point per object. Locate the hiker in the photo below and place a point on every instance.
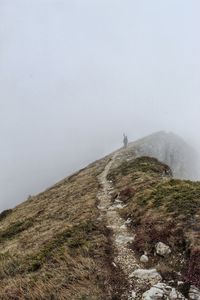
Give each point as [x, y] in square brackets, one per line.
[125, 141]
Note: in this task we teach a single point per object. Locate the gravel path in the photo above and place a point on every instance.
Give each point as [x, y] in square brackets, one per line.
[124, 258]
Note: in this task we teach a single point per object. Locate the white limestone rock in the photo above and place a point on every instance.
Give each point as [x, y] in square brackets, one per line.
[154, 293]
[194, 293]
[144, 259]
[128, 221]
[162, 291]
[132, 295]
[121, 239]
[162, 249]
[147, 275]
[117, 206]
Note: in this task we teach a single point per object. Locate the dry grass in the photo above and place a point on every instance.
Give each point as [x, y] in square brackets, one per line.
[53, 247]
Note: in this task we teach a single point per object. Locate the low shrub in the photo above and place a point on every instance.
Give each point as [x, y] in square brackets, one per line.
[5, 213]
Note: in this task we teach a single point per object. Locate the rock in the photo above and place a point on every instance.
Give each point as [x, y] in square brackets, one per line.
[114, 264]
[123, 226]
[128, 221]
[154, 293]
[162, 249]
[144, 258]
[162, 291]
[174, 294]
[132, 295]
[149, 275]
[118, 201]
[117, 206]
[194, 293]
[122, 239]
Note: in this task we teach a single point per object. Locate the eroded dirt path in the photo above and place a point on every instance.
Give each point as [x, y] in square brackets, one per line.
[124, 257]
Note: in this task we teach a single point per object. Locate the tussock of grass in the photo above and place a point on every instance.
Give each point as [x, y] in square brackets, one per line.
[5, 213]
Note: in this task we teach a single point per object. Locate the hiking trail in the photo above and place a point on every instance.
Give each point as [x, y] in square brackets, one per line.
[124, 257]
[143, 283]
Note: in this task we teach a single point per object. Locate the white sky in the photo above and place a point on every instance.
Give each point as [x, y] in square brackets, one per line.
[76, 74]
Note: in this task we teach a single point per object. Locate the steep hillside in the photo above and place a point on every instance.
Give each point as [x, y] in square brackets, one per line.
[53, 246]
[122, 228]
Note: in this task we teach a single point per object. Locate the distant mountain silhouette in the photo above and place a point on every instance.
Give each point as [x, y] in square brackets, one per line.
[172, 150]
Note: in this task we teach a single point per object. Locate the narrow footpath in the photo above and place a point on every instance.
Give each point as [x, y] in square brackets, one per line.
[124, 258]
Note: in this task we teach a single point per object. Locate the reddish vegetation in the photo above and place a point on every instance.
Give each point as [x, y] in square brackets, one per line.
[193, 269]
[149, 232]
[127, 193]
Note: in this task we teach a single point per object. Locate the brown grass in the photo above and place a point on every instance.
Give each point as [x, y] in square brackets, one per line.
[53, 247]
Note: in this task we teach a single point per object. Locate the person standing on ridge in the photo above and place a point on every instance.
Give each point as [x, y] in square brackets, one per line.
[125, 141]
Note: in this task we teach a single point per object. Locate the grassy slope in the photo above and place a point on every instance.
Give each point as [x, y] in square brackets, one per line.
[53, 246]
[162, 209]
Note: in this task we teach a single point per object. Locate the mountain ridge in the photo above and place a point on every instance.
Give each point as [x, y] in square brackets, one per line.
[84, 237]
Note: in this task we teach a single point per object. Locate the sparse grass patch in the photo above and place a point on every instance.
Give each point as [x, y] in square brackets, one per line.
[193, 267]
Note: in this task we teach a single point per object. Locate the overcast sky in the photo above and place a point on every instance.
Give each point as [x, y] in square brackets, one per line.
[76, 74]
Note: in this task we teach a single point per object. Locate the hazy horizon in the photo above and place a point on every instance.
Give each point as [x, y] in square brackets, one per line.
[77, 74]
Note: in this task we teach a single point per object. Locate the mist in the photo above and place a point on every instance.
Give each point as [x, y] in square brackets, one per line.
[76, 74]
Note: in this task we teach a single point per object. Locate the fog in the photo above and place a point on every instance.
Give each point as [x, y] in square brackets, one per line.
[75, 75]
